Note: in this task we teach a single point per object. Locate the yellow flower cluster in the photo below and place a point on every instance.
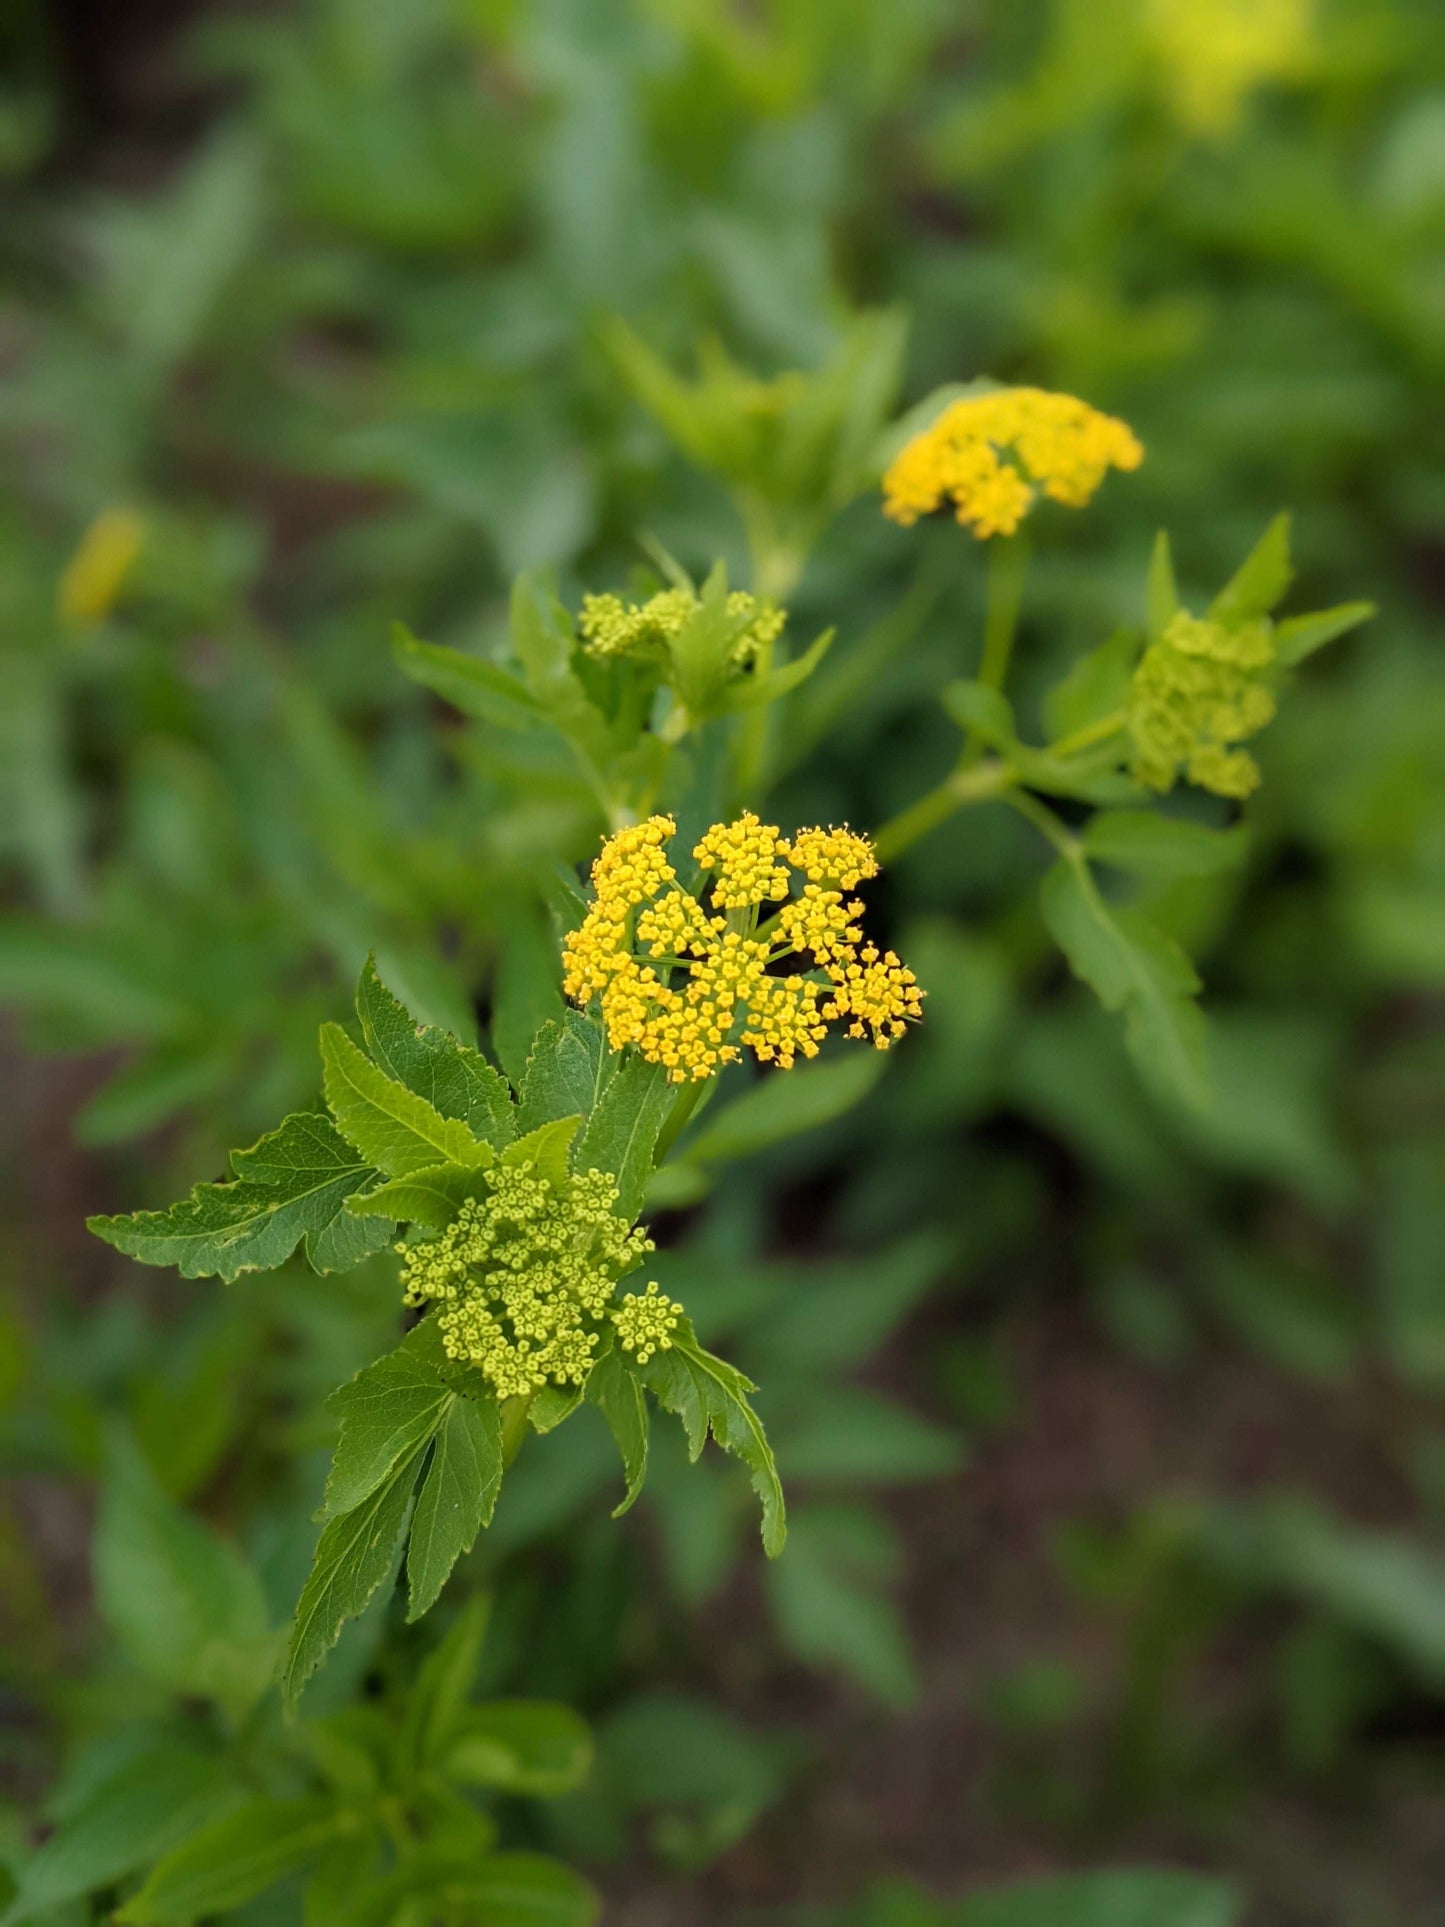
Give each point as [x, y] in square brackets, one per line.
[524, 1273]
[688, 982]
[1197, 691]
[645, 1322]
[1213, 54]
[612, 627]
[990, 456]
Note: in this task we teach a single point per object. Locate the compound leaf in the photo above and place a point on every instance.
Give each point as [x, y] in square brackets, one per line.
[457, 1497]
[390, 1125]
[709, 1395]
[291, 1185]
[453, 1078]
[387, 1412]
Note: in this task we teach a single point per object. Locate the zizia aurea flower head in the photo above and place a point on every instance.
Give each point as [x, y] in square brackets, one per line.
[524, 1277]
[991, 456]
[687, 975]
[1198, 691]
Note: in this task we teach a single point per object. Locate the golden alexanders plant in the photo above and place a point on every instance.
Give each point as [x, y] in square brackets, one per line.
[518, 1206]
[513, 1196]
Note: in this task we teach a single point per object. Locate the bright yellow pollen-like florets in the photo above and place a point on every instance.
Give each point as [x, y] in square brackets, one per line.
[1199, 689]
[1052, 443]
[645, 1322]
[1213, 54]
[611, 627]
[687, 981]
[524, 1275]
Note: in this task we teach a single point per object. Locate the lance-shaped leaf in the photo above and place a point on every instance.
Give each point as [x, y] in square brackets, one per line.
[621, 1135]
[749, 692]
[1300, 636]
[457, 1497]
[1134, 967]
[547, 1149]
[709, 1395]
[431, 1197]
[616, 1393]
[293, 1184]
[453, 1078]
[391, 1126]
[1260, 580]
[469, 683]
[387, 1413]
[355, 1554]
[568, 1069]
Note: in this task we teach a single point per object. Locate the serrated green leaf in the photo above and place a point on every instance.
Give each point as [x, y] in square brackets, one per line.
[568, 1068]
[185, 1605]
[430, 1197]
[521, 1746]
[391, 1126]
[1161, 596]
[615, 1390]
[1299, 636]
[234, 1859]
[355, 1554]
[1261, 579]
[457, 1497]
[552, 1405]
[1133, 967]
[709, 1395]
[453, 1078]
[548, 1148]
[128, 1820]
[291, 1185]
[1153, 846]
[621, 1135]
[469, 683]
[388, 1412]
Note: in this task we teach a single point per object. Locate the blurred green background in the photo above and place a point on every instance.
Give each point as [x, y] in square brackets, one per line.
[1115, 1436]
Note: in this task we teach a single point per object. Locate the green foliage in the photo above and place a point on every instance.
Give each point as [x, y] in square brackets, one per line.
[405, 325]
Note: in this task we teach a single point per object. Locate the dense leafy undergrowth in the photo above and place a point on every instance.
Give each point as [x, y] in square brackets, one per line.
[440, 438]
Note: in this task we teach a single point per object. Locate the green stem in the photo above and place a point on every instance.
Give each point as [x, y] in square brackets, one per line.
[514, 1427]
[1008, 561]
[1091, 733]
[960, 788]
[1047, 824]
[683, 1107]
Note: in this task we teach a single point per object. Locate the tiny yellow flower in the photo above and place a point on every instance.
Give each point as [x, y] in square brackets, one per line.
[688, 979]
[992, 455]
[645, 1322]
[95, 575]
[1199, 690]
[611, 627]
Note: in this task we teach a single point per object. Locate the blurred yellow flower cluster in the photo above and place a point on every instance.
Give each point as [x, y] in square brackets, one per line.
[611, 627]
[991, 456]
[688, 982]
[1213, 54]
[1196, 692]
